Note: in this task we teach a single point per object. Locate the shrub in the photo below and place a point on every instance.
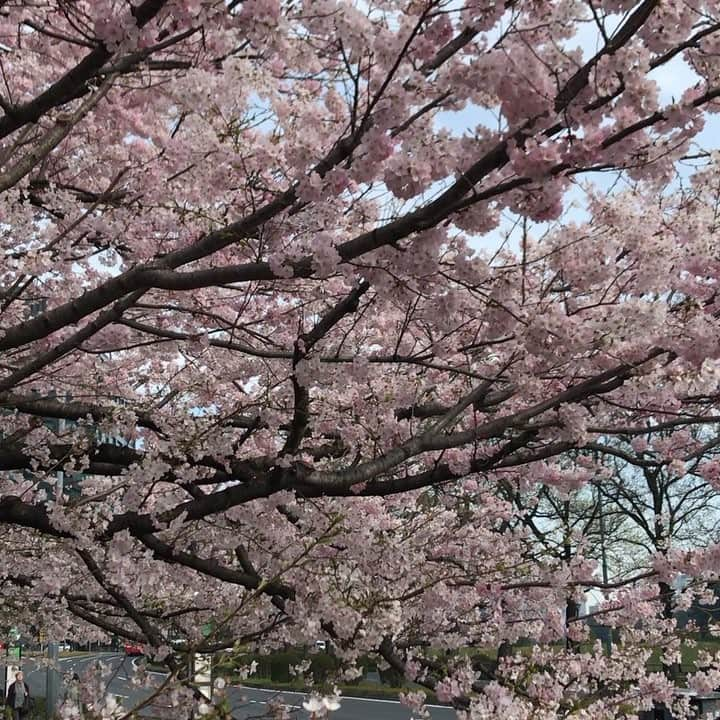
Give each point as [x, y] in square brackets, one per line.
[391, 677]
[322, 665]
[276, 666]
[280, 665]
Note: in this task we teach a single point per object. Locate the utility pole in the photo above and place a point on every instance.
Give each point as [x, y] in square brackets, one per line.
[607, 637]
[52, 681]
[603, 552]
[60, 475]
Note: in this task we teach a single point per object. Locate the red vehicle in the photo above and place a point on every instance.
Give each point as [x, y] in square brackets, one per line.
[133, 649]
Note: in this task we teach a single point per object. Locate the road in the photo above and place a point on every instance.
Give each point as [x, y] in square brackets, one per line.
[350, 708]
[247, 703]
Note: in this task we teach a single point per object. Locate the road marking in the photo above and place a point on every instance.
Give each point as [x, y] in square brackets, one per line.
[86, 658]
[149, 672]
[342, 697]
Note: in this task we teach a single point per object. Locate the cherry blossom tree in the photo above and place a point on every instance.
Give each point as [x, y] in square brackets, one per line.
[649, 498]
[288, 287]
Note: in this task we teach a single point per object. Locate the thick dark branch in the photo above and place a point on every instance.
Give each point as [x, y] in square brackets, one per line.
[441, 474]
[102, 622]
[226, 344]
[629, 458]
[150, 632]
[48, 407]
[196, 509]
[692, 41]
[623, 35]
[435, 409]
[13, 511]
[129, 62]
[466, 36]
[301, 412]
[212, 568]
[656, 117]
[104, 319]
[429, 441]
[332, 317]
[588, 583]
[74, 83]
[161, 274]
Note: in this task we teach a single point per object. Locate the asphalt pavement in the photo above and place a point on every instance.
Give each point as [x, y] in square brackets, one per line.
[247, 703]
[251, 703]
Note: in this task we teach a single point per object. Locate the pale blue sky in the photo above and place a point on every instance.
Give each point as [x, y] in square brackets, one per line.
[672, 79]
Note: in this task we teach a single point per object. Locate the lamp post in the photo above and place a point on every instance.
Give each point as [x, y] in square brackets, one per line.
[607, 638]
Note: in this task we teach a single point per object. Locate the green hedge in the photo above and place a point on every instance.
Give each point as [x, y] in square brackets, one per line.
[277, 666]
[323, 665]
[280, 666]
